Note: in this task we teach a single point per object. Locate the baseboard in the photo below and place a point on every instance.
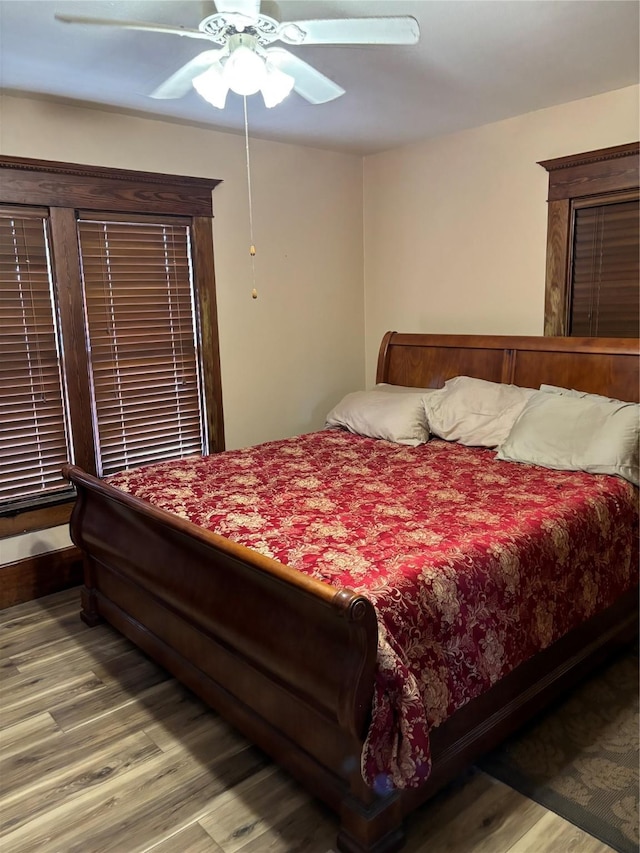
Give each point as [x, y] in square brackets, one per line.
[41, 575]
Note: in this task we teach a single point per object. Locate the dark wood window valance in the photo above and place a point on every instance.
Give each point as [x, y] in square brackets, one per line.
[592, 243]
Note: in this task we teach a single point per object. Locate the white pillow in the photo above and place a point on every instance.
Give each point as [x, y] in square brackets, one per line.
[400, 418]
[577, 434]
[571, 392]
[403, 389]
[474, 411]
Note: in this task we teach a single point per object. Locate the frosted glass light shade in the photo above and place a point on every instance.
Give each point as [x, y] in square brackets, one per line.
[212, 86]
[244, 71]
[276, 86]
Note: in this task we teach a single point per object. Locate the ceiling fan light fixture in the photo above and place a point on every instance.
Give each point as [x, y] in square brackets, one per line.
[244, 71]
[277, 85]
[243, 34]
[212, 86]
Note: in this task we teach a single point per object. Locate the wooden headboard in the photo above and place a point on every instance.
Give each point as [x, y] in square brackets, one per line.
[608, 366]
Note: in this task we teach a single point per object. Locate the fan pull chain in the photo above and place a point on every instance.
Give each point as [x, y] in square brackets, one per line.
[252, 248]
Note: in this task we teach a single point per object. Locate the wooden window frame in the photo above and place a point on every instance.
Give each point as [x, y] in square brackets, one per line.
[597, 177]
[65, 188]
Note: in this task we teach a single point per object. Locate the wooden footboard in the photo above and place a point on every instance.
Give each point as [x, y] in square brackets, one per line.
[241, 630]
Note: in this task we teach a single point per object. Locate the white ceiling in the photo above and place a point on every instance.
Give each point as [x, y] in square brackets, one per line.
[477, 61]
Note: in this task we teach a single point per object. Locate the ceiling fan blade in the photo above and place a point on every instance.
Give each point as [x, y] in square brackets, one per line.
[394, 30]
[179, 83]
[310, 83]
[249, 8]
[133, 25]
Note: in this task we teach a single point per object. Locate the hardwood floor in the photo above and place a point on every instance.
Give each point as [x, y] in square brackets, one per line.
[102, 752]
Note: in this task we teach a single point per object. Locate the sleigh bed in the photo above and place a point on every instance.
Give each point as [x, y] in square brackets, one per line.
[295, 661]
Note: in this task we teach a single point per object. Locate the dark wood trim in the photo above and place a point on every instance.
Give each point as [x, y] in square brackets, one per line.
[605, 170]
[82, 169]
[599, 155]
[632, 194]
[41, 575]
[605, 176]
[65, 260]
[204, 273]
[25, 521]
[556, 293]
[27, 181]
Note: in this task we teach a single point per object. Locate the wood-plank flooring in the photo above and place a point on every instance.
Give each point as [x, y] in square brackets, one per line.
[102, 752]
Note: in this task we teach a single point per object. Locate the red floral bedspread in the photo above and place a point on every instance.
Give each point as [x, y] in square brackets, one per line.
[473, 564]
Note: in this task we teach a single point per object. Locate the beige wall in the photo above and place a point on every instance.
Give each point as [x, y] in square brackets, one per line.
[288, 356]
[455, 227]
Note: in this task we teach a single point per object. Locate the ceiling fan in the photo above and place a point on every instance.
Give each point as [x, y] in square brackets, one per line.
[246, 63]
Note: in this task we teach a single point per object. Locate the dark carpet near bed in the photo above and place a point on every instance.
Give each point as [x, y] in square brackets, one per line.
[581, 759]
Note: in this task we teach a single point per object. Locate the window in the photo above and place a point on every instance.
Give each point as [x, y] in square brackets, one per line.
[143, 359]
[108, 324]
[593, 244]
[33, 418]
[605, 273]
